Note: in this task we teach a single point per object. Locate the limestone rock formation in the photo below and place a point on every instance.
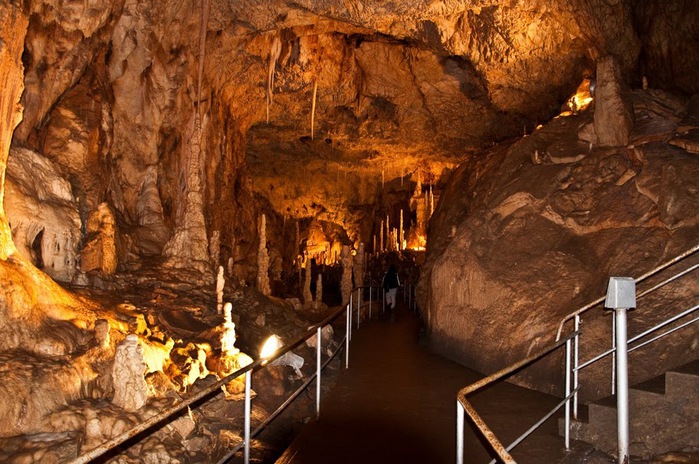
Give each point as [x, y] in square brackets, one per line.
[613, 117]
[263, 260]
[130, 387]
[43, 214]
[346, 282]
[515, 246]
[99, 253]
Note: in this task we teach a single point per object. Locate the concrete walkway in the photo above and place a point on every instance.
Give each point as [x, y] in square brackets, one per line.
[397, 404]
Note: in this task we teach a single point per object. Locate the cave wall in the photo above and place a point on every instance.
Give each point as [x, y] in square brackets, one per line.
[532, 231]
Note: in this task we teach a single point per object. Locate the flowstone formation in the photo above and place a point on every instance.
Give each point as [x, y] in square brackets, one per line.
[517, 245]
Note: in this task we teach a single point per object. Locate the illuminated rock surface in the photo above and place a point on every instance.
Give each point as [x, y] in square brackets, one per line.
[151, 136]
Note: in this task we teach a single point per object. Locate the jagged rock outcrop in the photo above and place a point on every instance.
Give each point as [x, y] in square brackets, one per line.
[515, 246]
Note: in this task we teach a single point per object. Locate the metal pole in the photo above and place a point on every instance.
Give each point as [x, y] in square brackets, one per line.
[369, 303]
[348, 331]
[622, 397]
[576, 362]
[318, 370]
[459, 433]
[614, 355]
[248, 379]
[359, 308]
[567, 410]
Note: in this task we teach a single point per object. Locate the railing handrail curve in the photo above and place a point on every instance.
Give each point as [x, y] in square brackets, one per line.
[488, 434]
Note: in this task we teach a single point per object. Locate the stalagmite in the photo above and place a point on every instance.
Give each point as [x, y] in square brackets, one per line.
[307, 295]
[228, 337]
[100, 251]
[215, 247]
[263, 260]
[319, 290]
[220, 283]
[401, 232]
[346, 282]
[130, 387]
[381, 250]
[358, 266]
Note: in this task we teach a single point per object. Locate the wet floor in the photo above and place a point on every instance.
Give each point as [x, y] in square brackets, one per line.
[397, 404]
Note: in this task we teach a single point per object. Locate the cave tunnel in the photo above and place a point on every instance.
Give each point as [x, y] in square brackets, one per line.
[183, 181]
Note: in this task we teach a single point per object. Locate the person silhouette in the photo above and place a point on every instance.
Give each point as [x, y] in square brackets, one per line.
[390, 284]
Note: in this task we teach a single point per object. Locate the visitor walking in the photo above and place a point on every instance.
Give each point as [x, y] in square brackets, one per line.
[390, 284]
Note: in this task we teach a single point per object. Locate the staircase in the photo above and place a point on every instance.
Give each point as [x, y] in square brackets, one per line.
[664, 416]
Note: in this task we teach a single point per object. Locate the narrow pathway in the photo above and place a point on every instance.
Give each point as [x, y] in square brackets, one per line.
[397, 404]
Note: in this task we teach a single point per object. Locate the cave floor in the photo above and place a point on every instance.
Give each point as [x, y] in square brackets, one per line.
[397, 402]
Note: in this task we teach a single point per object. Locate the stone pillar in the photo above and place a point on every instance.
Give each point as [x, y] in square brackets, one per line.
[307, 296]
[130, 387]
[346, 282]
[220, 283]
[215, 247]
[613, 113]
[319, 290]
[228, 336]
[358, 266]
[263, 260]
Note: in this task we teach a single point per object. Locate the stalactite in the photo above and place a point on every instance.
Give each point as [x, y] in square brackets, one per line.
[274, 53]
[313, 108]
[206, 6]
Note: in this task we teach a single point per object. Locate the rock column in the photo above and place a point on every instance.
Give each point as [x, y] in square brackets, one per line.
[130, 387]
[263, 260]
[346, 282]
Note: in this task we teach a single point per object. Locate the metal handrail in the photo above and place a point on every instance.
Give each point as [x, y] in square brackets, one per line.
[464, 406]
[215, 388]
[645, 276]
[647, 332]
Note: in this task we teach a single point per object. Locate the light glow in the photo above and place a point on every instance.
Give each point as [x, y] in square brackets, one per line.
[272, 344]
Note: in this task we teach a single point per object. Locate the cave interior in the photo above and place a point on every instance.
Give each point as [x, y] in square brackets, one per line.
[181, 180]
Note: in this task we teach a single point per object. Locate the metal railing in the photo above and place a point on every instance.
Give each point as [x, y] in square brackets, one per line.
[208, 393]
[572, 364]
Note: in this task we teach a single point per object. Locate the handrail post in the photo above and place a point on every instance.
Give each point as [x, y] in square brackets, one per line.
[248, 380]
[348, 330]
[576, 363]
[621, 296]
[567, 393]
[459, 433]
[359, 308]
[318, 370]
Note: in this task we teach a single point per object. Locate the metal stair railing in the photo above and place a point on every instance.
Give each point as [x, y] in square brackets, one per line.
[619, 367]
[463, 406]
[572, 364]
[153, 423]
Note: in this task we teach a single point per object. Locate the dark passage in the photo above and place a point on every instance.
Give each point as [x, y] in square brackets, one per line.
[397, 404]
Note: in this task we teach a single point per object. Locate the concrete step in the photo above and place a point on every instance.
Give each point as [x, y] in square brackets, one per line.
[662, 415]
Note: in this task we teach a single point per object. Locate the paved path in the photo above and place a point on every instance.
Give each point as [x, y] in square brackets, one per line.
[397, 404]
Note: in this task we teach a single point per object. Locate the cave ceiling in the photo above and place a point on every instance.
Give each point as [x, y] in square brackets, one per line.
[318, 109]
